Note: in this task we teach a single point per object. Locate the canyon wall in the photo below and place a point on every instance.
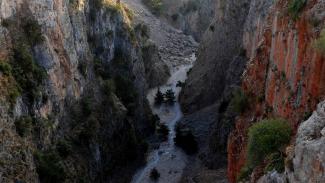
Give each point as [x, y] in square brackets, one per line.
[285, 75]
[193, 17]
[71, 75]
[208, 90]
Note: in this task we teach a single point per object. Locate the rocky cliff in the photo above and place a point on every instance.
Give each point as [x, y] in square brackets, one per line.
[305, 160]
[283, 76]
[193, 17]
[216, 74]
[73, 84]
[285, 73]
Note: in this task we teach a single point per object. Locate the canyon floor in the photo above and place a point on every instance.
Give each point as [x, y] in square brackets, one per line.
[177, 50]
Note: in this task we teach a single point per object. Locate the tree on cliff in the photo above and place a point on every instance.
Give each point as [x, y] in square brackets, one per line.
[159, 98]
[170, 96]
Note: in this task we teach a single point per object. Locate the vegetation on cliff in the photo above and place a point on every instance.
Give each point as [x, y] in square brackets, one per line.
[154, 5]
[266, 142]
[320, 42]
[295, 7]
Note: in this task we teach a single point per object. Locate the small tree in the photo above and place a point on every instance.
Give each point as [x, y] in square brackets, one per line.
[159, 98]
[154, 174]
[170, 96]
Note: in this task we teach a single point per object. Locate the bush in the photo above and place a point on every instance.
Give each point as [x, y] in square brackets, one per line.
[170, 96]
[49, 167]
[239, 102]
[275, 162]
[265, 138]
[159, 98]
[64, 148]
[163, 131]
[24, 125]
[186, 140]
[33, 32]
[109, 87]
[126, 92]
[82, 67]
[5, 68]
[154, 5]
[143, 29]
[244, 174]
[320, 42]
[295, 7]
[86, 106]
[154, 174]
[28, 75]
[180, 84]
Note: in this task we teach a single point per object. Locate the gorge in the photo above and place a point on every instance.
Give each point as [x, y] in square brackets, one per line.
[242, 87]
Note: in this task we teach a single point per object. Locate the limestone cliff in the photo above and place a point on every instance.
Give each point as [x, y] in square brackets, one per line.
[285, 73]
[305, 160]
[73, 84]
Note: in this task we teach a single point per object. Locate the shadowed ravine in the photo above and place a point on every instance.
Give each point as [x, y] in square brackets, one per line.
[168, 159]
[177, 51]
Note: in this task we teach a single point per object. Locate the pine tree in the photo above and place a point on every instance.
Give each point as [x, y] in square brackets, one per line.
[159, 98]
[170, 96]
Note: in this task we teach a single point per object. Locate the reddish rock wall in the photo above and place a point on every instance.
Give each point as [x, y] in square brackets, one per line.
[285, 76]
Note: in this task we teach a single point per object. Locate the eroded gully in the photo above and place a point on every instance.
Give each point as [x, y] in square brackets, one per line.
[177, 50]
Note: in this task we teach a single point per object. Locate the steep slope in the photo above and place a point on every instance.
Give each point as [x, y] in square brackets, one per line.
[193, 17]
[220, 45]
[285, 75]
[207, 92]
[73, 85]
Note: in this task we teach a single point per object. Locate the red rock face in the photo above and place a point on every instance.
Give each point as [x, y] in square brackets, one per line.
[285, 78]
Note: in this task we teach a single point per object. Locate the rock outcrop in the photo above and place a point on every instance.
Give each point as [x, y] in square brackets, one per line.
[220, 45]
[308, 163]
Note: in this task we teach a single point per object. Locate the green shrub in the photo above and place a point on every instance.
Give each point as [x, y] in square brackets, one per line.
[28, 75]
[244, 174]
[64, 148]
[49, 167]
[170, 96]
[126, 92]
[82, 67]
[191, 6]
[265, 138]
[6, 23]
[186, 140]
[33, 32]
[86, 106]
[5, 68]
[295, 7]
[109, 87]
[163, 131]
[143, 30]
[154, 174]
[239, 102]
[159, 97]
[24, 125]
[101, 69]
[154, 5]
[320, 42]
[275, 162]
